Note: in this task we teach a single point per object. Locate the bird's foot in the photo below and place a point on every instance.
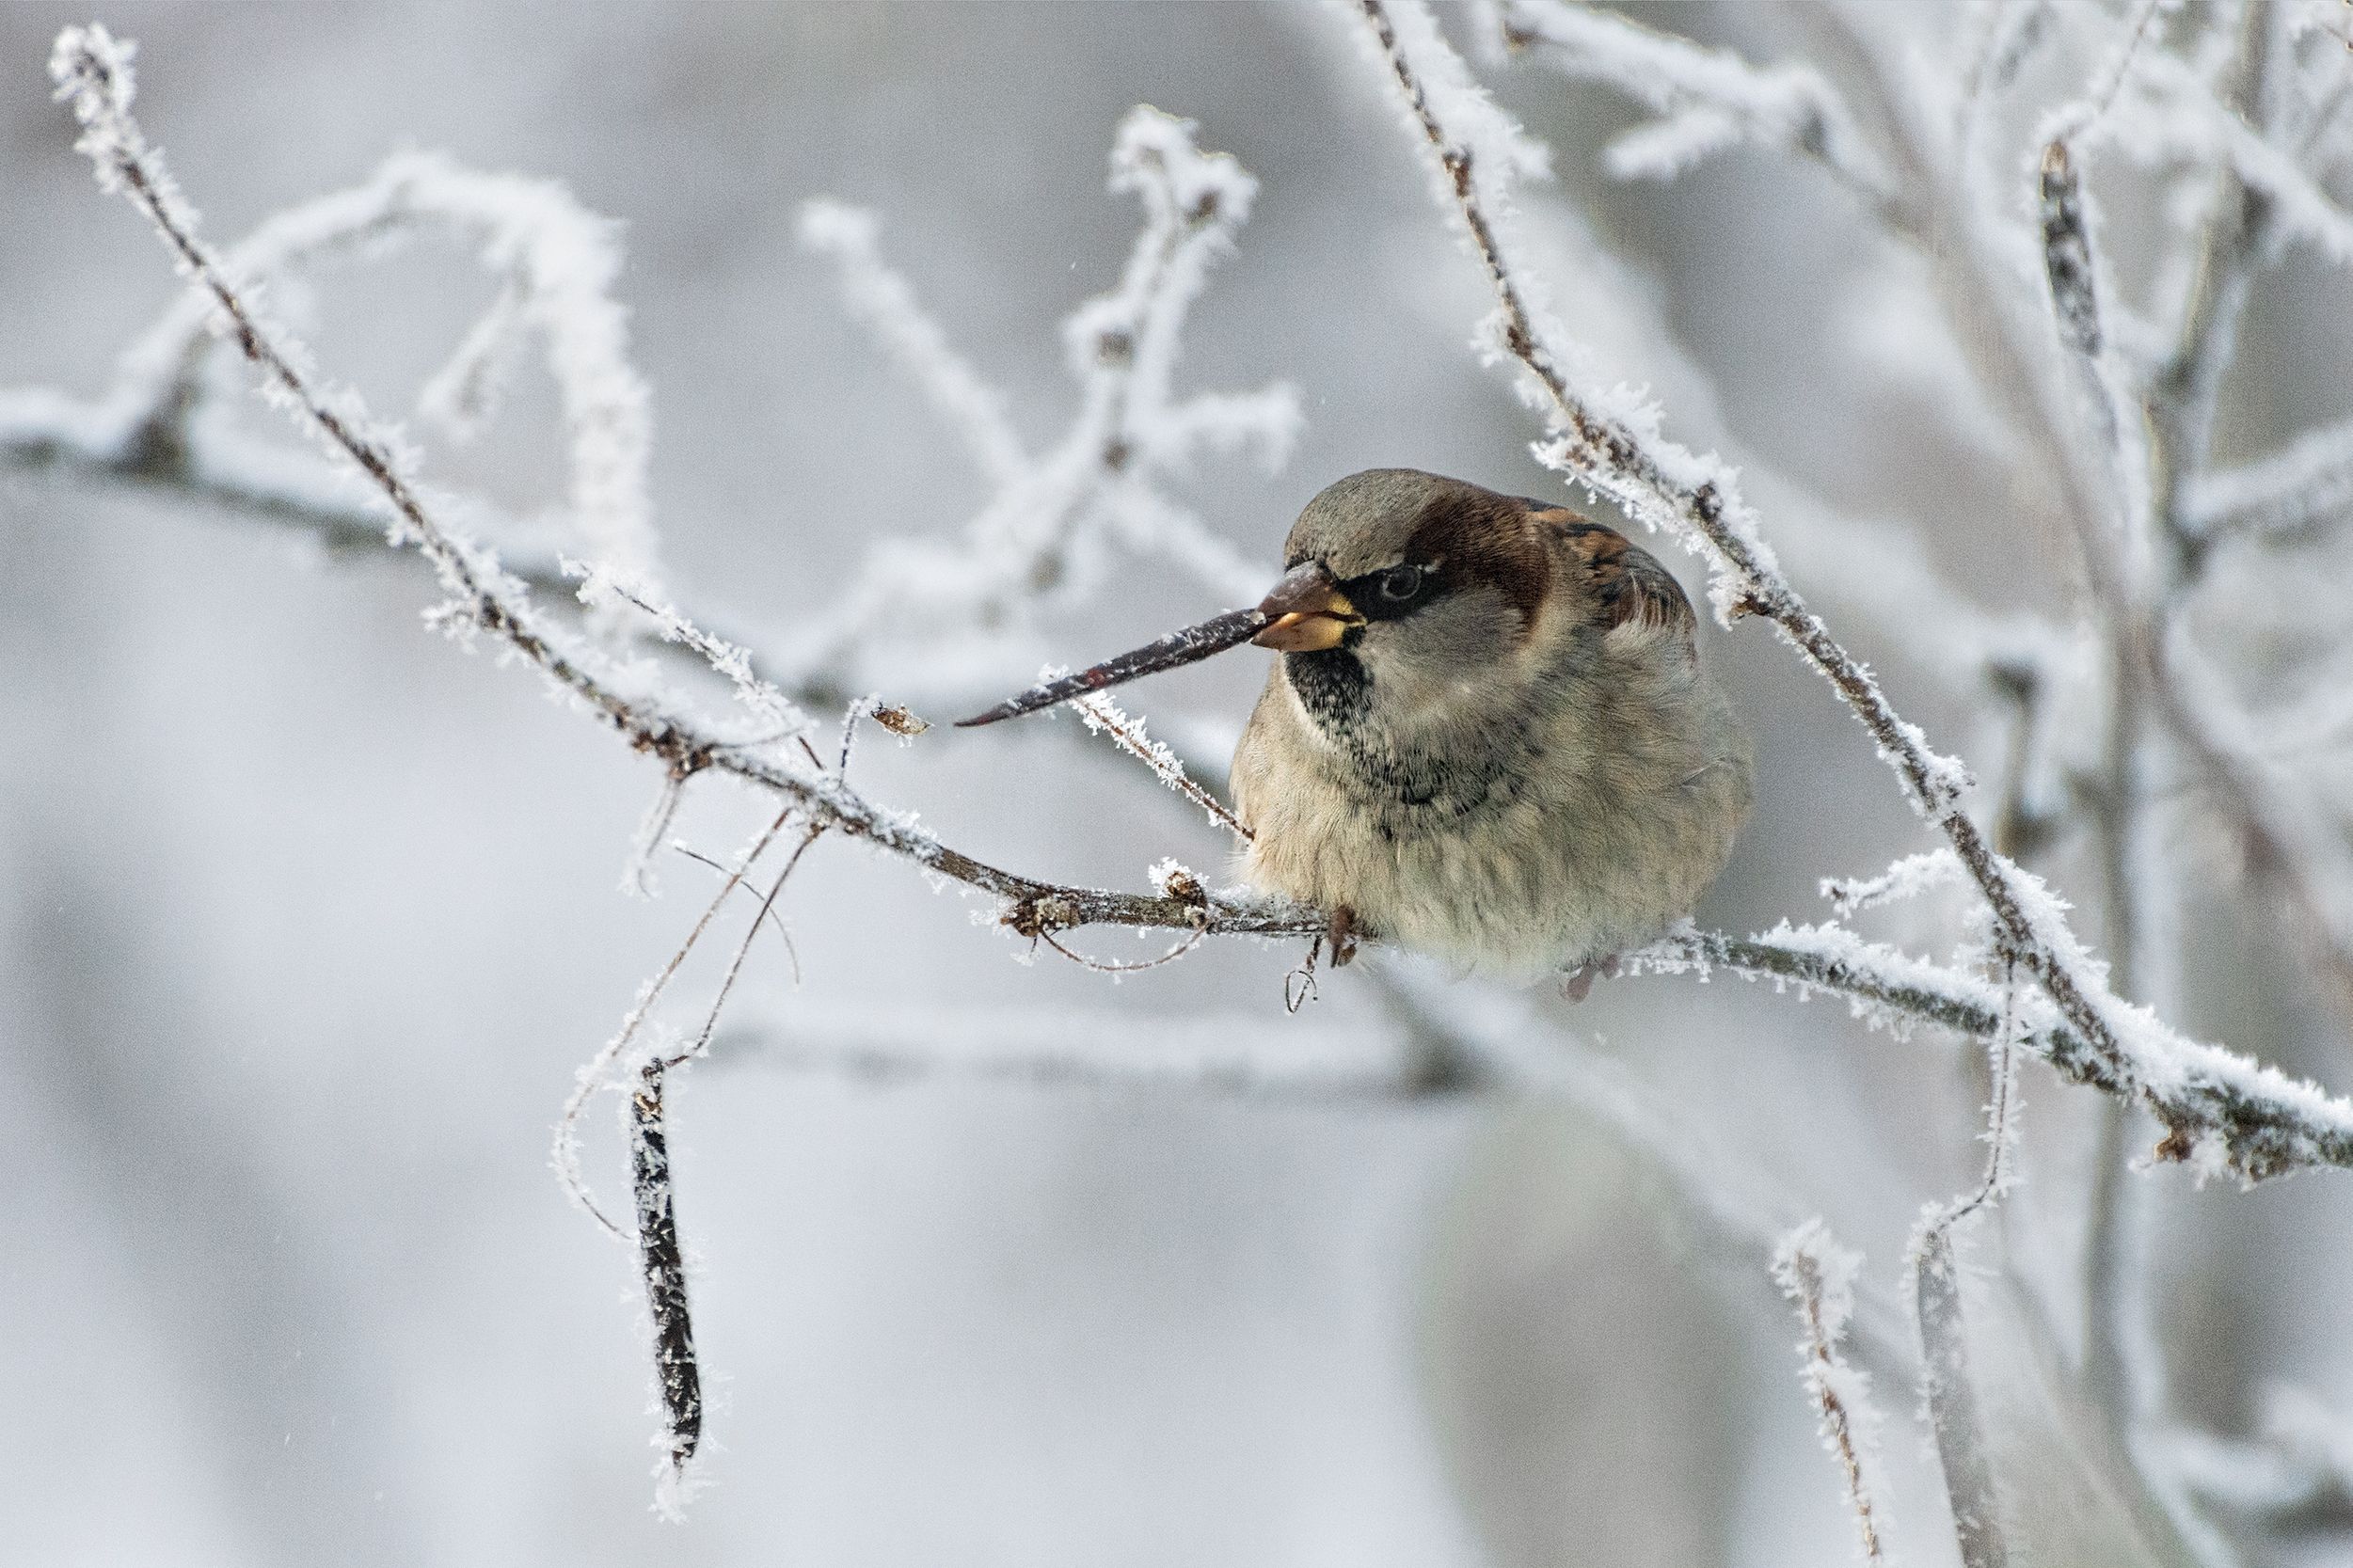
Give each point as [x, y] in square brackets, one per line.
[1299, 986]
[1341, 936]
[1580, 982]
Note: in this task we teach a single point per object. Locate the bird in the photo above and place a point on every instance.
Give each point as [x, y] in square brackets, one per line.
[1488, 738]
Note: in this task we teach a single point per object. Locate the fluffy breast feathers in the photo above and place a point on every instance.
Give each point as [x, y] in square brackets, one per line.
[1531, 771]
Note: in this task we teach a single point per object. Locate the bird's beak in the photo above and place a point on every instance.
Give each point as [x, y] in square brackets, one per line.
[1306, 612]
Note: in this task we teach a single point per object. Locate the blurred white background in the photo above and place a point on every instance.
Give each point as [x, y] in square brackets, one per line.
[311, 916]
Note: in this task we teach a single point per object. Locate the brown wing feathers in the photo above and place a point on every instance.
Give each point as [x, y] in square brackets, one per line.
[1626, 579]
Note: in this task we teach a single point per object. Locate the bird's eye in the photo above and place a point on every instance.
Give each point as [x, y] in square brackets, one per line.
[1400, 584]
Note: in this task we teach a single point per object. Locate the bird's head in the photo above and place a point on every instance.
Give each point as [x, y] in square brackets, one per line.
[1401, 587]
[1417, 598]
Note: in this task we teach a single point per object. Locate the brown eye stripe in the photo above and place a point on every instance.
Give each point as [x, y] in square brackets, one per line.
[1484, 538]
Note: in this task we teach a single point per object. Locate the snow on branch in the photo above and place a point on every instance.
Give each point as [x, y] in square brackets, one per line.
[1818, 1276]
[1707, 99]
[2292, 494]
[1102, 716]
[879, 295]
[557, 264]
[2222, 1112]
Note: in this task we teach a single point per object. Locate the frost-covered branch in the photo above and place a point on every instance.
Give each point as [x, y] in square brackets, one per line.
[2291, 494]
[678, 1379]
[1051, 518]
[557, 264]
[1707, 99]
[1818, 1276]
[880, 296]
[1962, 1445]
[1947, 1394]
[1101, 716]
[2222, 1112]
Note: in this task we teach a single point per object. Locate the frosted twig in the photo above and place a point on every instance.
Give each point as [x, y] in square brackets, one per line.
[678, 1377]
[558, 265]
[2287, 496]
[1908, 878]
[780, 719]
[880, 296]
[1951, 1403]
[1947, 1392]
[1818, 1275]
[1707, 99]
[595, 1073]
[1103, 716]
[1048, 516]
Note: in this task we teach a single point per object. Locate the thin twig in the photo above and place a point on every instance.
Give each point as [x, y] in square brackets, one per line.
[1818, 1275]
[1951, 1398]
[593, 1074]
[1128, 733]
[735, 964]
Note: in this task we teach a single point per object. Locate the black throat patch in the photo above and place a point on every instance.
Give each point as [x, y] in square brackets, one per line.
[1334, 687]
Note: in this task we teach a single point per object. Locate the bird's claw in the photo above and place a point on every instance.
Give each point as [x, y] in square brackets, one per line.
[1341, 936]
[1580, 982]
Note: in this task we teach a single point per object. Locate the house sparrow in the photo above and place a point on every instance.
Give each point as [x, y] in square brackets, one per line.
[1489, 739]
